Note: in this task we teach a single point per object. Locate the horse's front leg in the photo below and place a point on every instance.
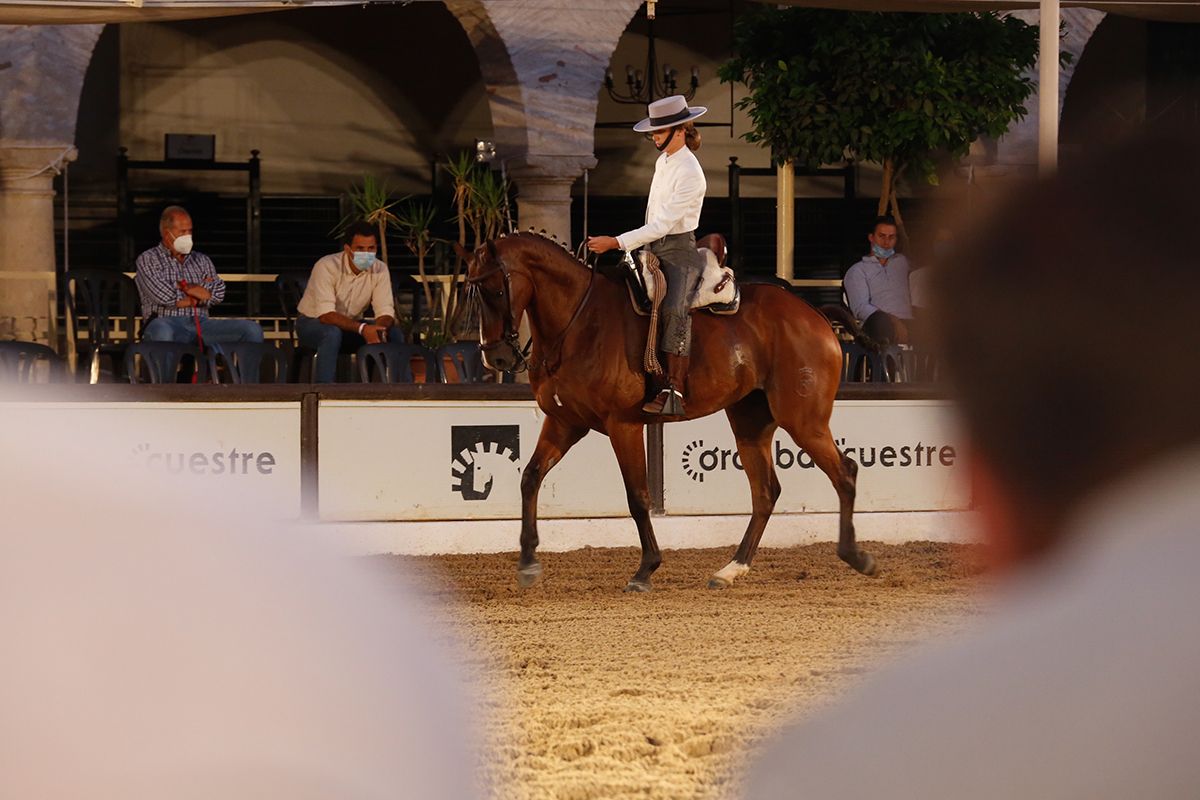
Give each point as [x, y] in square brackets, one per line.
[554, 441]
[627, 443]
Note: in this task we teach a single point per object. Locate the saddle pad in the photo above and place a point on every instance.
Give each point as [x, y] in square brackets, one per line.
[718, 292]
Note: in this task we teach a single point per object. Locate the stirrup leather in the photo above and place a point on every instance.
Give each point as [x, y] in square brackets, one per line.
[667, 403]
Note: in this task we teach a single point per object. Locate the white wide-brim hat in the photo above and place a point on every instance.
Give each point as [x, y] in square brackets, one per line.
[667, 113]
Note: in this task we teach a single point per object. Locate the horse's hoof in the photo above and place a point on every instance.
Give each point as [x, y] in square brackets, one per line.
[719, 583]
[528, 576]
[866, 565]
[637, 586]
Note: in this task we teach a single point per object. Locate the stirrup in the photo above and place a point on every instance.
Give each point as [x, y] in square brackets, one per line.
[667, 403]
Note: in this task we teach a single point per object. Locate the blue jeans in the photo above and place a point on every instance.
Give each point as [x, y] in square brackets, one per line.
[329, 341]
[183, 330]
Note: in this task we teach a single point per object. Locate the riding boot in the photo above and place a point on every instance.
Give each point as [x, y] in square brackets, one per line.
[669, 402]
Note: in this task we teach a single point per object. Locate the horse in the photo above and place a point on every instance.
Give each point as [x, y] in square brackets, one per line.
[776, 362]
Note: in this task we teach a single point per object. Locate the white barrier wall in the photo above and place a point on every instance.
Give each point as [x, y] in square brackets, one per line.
[908, 456]
[251, 449]
[413, 460]
[381, 460]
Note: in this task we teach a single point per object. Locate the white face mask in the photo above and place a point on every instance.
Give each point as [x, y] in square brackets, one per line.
[183, 244]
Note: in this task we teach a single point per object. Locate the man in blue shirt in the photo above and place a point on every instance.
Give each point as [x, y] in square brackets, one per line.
[178, 286]
[877, 287]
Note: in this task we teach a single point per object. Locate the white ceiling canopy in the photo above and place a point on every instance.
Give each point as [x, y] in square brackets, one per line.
[1165, 10]
[65, 12]
[68, 12]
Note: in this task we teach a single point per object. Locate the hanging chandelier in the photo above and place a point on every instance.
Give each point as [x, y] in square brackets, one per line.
[643, 87]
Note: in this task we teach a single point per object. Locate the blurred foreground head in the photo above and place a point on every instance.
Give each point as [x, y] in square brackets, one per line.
[1067, 327]
[171, 637]
[1068, 323]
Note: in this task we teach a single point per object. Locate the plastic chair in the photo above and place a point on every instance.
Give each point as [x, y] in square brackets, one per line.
[289, 287]
[897, 363]
[391, 362]
[159, 362]
[243, 361]
[888, 365]
[18, 359]
[860, 364]
[101, 296]
[467, 360]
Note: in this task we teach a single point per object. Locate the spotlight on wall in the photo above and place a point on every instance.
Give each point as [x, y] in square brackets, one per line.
[485, 151]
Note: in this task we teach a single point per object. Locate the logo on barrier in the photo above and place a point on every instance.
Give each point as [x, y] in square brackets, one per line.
[699, 461]
[485, 459]
[692, 469]
[232, 462]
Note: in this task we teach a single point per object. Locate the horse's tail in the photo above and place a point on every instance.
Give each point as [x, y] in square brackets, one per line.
[840, 316]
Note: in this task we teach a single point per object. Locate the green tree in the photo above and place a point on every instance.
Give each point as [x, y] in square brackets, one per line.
[894, 89]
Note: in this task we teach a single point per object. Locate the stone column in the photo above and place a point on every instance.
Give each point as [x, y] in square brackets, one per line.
[544, 193]
[41, 76]
[27, 246]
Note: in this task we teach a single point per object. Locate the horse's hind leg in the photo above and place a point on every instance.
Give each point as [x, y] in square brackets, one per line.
[842, 471]
[628, 445]
[554, 441]
[754, 428]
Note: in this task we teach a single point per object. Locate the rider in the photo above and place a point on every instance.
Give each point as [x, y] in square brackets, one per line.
[672, 213]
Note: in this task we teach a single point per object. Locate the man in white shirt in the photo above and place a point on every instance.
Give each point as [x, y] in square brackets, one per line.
[1084, 680]
[877, 287]
[342, 285]
[672, 214]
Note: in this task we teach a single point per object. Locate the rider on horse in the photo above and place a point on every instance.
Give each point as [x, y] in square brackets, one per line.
[672, 214]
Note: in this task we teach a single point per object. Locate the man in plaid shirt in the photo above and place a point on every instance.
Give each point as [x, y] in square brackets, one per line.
[178, 286]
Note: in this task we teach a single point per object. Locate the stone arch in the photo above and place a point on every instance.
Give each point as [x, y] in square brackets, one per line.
[543, 64]
[40, 89]
[1018, 147]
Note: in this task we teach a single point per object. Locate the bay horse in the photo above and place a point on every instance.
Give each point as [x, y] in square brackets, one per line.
[776, 362]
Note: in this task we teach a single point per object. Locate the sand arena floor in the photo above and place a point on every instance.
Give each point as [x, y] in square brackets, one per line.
[593, 693]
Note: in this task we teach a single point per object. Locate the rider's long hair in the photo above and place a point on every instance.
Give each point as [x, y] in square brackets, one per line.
[691, 136]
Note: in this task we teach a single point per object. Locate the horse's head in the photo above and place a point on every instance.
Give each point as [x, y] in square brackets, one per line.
[501, 301]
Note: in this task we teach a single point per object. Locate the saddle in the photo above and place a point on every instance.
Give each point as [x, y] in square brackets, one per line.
[717, 292]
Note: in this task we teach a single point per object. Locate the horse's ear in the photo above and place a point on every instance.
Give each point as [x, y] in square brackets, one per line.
[462, 252]
[491, 249]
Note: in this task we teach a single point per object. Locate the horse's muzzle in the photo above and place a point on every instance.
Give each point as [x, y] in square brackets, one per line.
[501, 355]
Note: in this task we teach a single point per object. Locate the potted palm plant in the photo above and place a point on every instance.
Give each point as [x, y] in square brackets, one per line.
[371, 201]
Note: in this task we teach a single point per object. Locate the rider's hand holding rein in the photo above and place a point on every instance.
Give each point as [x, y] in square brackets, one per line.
[602, 244]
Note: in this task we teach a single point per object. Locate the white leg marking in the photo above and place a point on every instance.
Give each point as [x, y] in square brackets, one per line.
[731, 571]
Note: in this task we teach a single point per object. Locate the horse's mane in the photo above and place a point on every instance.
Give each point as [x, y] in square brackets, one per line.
[542, 239]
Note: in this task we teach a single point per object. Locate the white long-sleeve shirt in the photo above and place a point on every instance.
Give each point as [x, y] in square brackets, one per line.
[676, 197]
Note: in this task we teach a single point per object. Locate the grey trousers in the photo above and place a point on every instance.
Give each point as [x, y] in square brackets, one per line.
[683, 266]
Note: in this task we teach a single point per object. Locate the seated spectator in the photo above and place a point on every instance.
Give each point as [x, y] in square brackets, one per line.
[342, 285]
[877, 287]
[178, 286]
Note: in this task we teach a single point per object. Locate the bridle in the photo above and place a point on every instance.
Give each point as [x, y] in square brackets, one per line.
[510, 335]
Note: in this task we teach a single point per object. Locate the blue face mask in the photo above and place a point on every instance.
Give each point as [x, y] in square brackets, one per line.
[882, 252]
[364, 261]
